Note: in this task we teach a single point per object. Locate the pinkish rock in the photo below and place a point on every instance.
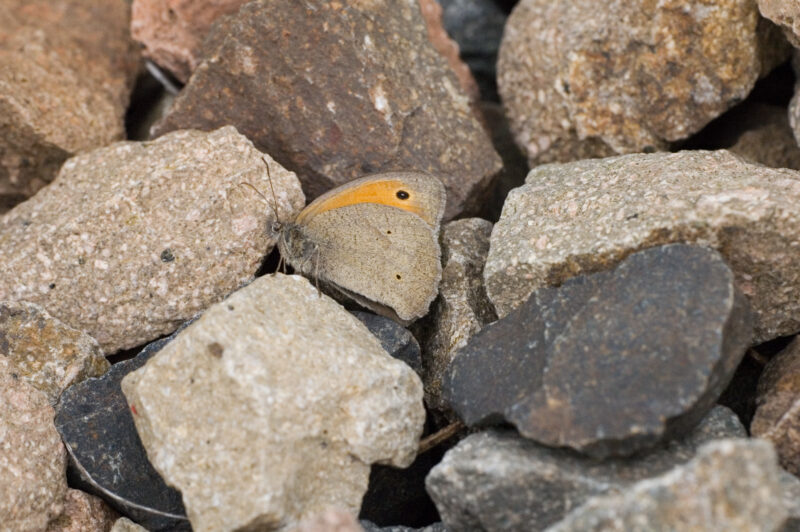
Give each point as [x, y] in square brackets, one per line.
[133, 239]
[330, 520]
[172, 31]
[83, 513]
[33, 462]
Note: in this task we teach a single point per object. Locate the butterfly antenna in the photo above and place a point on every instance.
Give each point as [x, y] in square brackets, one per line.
[272, 188]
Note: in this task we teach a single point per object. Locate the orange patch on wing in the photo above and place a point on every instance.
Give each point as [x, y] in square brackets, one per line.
[380, 192]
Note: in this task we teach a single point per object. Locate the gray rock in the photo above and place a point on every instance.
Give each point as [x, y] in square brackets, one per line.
[33, 479]
[791, 501]
[360, 103]
[610, 363]
[394, 338]
[497, 480]
[729, 485]
[372, 527]
[135, 238]
[770, 140]
[582, 217]
[46, 353]
[281, 365]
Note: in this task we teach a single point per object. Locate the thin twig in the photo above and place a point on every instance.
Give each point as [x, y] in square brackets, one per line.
[431, 441]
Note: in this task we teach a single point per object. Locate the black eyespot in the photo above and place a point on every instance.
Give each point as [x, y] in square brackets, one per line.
[402, 194]
[398, 276]
[388, 232]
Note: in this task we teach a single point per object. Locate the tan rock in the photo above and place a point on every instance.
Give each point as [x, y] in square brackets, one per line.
[46, 353]
[62, 89]
[123, 524]
[786, 14]
[172, 31]
[331, 520]
[297, 399]
[582, 217]
[769, 140]
[33, 462]
[133, 239]
[83, 513]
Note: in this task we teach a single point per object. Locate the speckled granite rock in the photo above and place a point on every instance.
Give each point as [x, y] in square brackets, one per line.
[172, 31]
[361, 103]
[33, 482]
[609, 363]
[268, 365]
[123, 524]
[577, 81]
[461, 308]
[83, 513]
[62, 89]
[769, 139]
[784, 13]
[106, 457]
[46, 353]
[497, 480]
[133, 239]
[582, 217]
[729, 485]
[777, 417]
[330, 520]
[372, 527]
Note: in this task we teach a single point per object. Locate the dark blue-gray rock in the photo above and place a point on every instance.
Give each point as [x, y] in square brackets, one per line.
[496, 480]
[106, 457]
[610, 363]
[394, 338]
[477, 27]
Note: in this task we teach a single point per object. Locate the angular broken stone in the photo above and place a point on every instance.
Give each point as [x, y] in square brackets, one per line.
[497, 480]
[63, 89]
[123, 524]
[777, 416]
[135, 238]
[106, 457]
[578, 82]
[324, 92]
[462, 307]
[330, 520]
[46, 353]
[394, 338]
[784, 13]
[83, 513]
[33, 464]
[297, 399]
[582, 217]
[172, 31]
[729, 485]
[372, 527]
[609, 363]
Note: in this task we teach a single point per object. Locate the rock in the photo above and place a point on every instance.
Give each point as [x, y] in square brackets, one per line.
[361, 103]
[791, 501]
[609, 363]
[123, 524]
[133, 239]
[280, 364]
[105, 453]
[432, 13]
[579, 82]
[461, 308]
[394, 338]
[577, 218]
[62, 89]
[770, 141]
[172, 31]
[785, 14]
[477, 26]
[497, 480]
[777, 416]
[729, 485]
[32, 460]
[330, 520]
[83, 513]
[372, 527]
[46, 353]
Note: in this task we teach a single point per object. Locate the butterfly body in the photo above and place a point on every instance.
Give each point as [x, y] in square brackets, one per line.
[374, 240]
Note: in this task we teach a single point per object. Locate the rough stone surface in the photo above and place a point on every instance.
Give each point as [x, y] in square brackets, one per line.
[394, 338]
[462, 308]
[123, 524]
[33, 482]
[497, 480]
[63, 89]
[577, 218]
[46, 353]
[613, 362]
[105, 454]
[784, 13]
[361, 103]
[372, 527]
[767, 138]
[729, 485]
[477, 26]
[133, 239]
[172, 31]
[280, 364]
[791, 501]
[330, 520]
[777, 416]
[83, 513]
[581, 82]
